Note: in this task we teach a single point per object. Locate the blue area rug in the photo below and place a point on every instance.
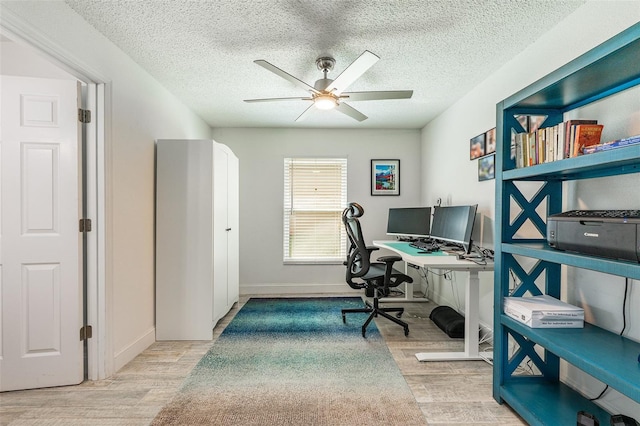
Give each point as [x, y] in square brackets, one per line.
[291, 361]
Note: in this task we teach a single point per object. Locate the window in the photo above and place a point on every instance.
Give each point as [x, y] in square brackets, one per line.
[315, 193]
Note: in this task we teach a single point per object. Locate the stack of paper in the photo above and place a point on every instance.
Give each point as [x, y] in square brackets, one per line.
[544, 312]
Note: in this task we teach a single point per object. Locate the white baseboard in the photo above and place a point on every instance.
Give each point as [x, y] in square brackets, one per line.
[259, 289]
[121, 358]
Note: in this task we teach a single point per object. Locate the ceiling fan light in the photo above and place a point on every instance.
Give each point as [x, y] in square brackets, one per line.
[324, 102]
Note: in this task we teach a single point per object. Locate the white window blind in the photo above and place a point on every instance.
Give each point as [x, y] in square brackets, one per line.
[315, 193]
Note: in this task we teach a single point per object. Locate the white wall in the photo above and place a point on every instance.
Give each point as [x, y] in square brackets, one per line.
[20, 61]
[445, 146]
[261, 153]
[140, 111]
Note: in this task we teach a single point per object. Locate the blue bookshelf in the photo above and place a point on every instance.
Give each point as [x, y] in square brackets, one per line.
[541, 398]
[548, 403]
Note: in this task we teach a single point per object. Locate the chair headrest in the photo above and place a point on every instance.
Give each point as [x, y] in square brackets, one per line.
[353, 210]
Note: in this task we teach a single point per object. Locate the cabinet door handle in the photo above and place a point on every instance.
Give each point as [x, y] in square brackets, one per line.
[228, 229]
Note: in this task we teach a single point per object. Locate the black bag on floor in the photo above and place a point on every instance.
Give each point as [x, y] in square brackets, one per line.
[448, 320]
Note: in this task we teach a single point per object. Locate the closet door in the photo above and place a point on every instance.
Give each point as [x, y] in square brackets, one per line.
[233, 235]
[220, 231]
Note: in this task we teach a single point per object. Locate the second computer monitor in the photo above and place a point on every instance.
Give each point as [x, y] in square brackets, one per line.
[409, 222]
[454, 224]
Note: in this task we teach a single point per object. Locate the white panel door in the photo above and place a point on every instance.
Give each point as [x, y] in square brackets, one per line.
[220, 231]
[233, 236]
[40, 246]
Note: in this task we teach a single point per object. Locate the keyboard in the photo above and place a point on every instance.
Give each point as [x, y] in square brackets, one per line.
[425, 245]
[600, 214]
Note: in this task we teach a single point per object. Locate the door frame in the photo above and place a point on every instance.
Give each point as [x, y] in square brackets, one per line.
[96, 98]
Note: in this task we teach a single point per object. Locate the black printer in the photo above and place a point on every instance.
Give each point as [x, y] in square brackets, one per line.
[607, 233]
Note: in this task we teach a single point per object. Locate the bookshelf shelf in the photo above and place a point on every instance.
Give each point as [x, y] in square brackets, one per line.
[602, 164]
[542, 399]
[586, 348]
[543, 252]
[547, 403]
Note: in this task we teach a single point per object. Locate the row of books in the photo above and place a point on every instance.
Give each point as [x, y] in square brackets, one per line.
[631, 140]
[564, 140]
[544, 312]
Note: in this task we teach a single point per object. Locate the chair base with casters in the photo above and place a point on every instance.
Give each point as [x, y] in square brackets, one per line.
[374, 310]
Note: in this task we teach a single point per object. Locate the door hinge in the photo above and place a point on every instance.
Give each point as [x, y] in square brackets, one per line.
[85, 225]
[84, 115]
[86, 332]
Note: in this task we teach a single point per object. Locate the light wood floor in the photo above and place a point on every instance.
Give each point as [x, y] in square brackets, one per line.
[449, 393]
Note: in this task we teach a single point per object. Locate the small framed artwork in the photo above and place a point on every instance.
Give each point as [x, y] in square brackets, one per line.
[385, 177]
[490, 141]
[486, 167]
[476, 147]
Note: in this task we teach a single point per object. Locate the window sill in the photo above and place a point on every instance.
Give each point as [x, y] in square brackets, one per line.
[313, 262]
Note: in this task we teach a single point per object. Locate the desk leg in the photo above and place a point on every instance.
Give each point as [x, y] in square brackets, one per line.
[471, 328]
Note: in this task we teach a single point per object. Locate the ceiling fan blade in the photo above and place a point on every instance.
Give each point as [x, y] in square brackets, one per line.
[353, 72]
[278, 99]
[350, 111]
[266, 65]
[376, 96]
[305, 113]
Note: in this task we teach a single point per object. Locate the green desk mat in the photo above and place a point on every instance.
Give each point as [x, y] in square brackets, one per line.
[406, 248]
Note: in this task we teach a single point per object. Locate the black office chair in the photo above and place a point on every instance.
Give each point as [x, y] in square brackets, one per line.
[375, 277]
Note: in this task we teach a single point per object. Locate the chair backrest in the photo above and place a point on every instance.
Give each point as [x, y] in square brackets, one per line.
[358, 262]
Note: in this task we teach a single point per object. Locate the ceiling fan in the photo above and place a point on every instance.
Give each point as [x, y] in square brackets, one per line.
[327, 93]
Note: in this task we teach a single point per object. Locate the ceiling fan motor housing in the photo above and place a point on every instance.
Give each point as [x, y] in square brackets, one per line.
[325, 63]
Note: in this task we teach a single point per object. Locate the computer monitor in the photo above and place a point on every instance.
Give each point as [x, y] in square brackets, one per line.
[409, 222]
[454, 224]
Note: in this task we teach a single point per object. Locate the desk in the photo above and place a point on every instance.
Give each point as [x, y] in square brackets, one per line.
[472, 296]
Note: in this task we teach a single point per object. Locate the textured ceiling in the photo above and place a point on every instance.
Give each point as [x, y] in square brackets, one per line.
[203, 51]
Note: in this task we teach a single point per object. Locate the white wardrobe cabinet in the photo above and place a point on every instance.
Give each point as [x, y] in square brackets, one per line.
[197, 267]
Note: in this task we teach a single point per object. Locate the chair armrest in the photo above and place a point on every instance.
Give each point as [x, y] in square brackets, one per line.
[389, 259]
[372, 248]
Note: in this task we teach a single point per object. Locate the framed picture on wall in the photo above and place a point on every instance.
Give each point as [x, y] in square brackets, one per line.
[490, 141]
[385, 177]
[486, 167]
[476, 147]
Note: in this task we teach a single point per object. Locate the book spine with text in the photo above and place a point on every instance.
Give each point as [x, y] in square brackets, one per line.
[569, 134]
[586, 135]
[611, 145]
